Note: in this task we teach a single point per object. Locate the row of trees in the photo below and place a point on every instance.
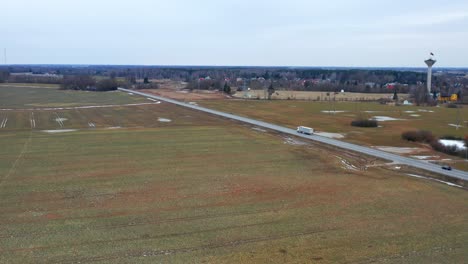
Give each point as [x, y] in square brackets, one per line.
[86, 82]
[4, 76]
[341, 76]
[294, 79]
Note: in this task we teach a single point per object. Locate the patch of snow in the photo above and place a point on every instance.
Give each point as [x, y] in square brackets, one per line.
[397, 150]
[457, 143]
[164, 120]
[372, 111]
[425, 111]
[294, 142]
[409, 112]
[182, 91]
[424, 157]
[333, 112]
[385, 118]
[432, 179]
[151, 99]
[347, 164]
[397, 168]
[415, 115]
[193, 103]
[114, 127]
[59, 131]
[259, 129]
[130, 93]
[455, 125]
[329, 135]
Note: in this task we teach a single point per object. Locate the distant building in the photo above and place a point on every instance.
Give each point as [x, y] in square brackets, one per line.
[49, 75]
[390, 85]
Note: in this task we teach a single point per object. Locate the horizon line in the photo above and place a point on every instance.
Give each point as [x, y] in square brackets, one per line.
[229, 66]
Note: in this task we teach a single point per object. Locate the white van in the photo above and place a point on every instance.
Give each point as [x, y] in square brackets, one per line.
[305, 130]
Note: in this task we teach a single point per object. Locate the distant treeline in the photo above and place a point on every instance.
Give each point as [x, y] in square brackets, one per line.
[87, 82]
[300, 79]
[4, 75]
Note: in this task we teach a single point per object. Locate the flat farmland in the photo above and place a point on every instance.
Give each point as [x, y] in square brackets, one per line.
[336, 118]
[39, 96]
[159, 183]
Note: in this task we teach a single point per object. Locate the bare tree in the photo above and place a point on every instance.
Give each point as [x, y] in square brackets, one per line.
[271, 91]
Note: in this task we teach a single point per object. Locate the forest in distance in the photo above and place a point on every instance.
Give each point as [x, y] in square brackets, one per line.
[364, 80]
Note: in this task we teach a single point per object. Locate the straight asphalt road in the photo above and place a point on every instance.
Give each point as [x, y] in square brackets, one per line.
[337, 143]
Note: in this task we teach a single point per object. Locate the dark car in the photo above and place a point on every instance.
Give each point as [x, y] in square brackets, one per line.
[446, 167]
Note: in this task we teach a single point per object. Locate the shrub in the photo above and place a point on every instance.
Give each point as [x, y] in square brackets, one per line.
[419, 136]
[452, 105]
[437, 146]
[150, 85]
[364, 123]
[77, 82]
[451, 137]
[410, 136]
[107, 85]
[427, 137]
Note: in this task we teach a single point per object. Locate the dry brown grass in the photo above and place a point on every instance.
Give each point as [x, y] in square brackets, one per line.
[318, 96]
[204, 189]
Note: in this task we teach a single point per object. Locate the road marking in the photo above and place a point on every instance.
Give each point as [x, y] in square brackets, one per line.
[33, 120]
[59, 119]
[4, 122]
[76, 107]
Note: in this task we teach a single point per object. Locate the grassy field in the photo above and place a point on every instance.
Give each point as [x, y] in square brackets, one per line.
[201, 189]
[321, 116]
[23, 96]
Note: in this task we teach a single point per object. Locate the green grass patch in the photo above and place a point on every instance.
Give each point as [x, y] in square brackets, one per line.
[12, 96]
[204, 189]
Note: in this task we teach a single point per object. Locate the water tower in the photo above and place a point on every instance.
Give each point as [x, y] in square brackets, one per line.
[430, 62]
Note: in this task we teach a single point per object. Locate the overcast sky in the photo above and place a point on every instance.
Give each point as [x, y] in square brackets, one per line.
[241, 32]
